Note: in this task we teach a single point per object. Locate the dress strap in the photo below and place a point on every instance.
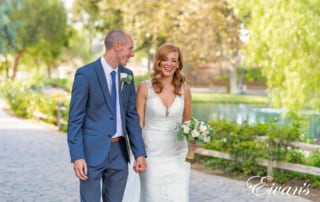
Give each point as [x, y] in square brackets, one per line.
[150, 89]
[182, 91]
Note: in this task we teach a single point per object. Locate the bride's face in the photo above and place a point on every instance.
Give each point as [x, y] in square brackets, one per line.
[170, 63]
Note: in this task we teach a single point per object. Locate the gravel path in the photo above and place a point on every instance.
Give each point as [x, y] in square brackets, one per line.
[35, 167]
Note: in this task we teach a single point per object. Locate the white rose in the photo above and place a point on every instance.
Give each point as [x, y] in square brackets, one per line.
[203, 127]
[206, 133]
[186, 129]
[123, 75]
[206, 139]
[195, 133]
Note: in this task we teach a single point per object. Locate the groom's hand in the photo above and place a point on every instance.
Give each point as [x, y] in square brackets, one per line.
[80, 169]
[140, 164]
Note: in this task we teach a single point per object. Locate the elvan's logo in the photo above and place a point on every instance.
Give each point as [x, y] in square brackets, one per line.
[264, 186]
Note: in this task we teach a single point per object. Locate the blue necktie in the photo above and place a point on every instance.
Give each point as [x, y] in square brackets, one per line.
[114, 96]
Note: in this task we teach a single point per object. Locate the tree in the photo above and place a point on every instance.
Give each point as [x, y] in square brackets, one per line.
[284, 41]
[42, 31]
[7, 36]
[205, 30]
[7, 30]
[97, 16]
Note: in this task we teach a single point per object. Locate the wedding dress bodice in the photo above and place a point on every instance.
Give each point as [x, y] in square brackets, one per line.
[158, 114]
[161, 125]
[167, 176]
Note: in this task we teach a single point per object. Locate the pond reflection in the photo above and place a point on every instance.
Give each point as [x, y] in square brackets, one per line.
[240, 113]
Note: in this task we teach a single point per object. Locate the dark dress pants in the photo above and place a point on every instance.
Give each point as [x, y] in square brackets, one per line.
[111, 174]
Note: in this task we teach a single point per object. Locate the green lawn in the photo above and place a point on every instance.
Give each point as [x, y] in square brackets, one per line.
[221, 98]
[228, 98]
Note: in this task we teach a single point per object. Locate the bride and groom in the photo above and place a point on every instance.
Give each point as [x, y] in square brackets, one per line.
[101, 130]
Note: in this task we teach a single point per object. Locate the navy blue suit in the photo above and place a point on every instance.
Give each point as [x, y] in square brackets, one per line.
[90, 125]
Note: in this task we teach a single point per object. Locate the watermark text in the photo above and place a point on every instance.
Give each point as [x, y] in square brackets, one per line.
[261, 186]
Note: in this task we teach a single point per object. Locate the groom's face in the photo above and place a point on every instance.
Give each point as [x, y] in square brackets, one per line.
[125, 51]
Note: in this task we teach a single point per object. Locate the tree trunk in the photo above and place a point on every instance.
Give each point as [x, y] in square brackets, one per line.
[233, 80]
[7, 67]
[16, 64]
[49, 71]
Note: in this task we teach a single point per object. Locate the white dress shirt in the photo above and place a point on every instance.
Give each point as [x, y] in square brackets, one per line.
[107, 71]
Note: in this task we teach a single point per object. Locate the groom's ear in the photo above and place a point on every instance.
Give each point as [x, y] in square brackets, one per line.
[117, 46]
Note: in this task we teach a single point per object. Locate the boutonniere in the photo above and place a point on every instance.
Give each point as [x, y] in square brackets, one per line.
[125, 78]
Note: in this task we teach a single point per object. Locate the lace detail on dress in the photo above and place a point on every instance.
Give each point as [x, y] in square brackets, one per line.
[167, 176]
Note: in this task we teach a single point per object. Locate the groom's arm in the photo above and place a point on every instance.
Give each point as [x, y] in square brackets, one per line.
[133, 125]
[76, 116]
[77, 113]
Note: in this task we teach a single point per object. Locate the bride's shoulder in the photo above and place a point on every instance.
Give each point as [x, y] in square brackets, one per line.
[186, 90]
[143, 87]
[185, 85]
[144, 84]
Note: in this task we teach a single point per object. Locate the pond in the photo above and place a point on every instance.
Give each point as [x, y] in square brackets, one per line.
[252, 114]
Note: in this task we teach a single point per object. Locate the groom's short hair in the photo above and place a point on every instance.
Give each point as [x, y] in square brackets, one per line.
[113, 36]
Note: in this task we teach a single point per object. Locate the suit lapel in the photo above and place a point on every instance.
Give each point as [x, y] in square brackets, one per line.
[120, 70]
[103, 82]
[121, 92]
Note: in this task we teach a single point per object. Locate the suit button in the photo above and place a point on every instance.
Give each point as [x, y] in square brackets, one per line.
[111, 118]
[109, 135]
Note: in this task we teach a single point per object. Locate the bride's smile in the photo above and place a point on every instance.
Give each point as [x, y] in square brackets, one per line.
[170, 64]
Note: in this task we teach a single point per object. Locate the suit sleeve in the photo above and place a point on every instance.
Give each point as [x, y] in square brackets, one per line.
[133, 125]
[77, 112]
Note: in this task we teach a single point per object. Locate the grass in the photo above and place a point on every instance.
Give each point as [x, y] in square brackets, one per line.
[229, 98]
[220, 98]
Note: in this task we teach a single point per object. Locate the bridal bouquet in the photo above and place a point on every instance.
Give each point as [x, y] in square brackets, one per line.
[196, 132]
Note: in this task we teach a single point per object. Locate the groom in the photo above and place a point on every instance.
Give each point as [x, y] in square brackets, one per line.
[102, 121]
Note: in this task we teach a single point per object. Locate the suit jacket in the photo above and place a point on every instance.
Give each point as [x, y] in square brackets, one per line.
[91, 117]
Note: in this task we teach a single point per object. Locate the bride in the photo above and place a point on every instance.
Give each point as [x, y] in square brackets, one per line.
[162, 103]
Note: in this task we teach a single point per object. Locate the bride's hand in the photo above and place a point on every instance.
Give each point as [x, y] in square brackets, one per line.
[140, 164]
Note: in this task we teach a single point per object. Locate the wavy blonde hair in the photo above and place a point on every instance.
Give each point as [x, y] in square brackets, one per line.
[156, 76]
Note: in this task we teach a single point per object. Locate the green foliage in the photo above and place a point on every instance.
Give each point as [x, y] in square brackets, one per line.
[27, 99]
[98, 16]
[7, 29]
[284, 42]
[242, 142]
[40, 32]
[228, 98]
[247, 73]
[250, 74]
[210, 33]
[139, 79]
[55, 83]
[213, 26]
[295, 156]
[314, 159]
[75, 49]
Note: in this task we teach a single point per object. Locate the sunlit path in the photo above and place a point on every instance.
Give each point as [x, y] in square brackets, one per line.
[35, 166]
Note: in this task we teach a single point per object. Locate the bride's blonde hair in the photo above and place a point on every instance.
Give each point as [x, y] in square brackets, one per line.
[156, 76]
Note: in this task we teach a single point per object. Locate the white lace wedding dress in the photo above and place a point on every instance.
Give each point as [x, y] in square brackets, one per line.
[167, 175]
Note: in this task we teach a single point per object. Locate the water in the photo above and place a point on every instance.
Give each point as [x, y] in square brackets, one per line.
[252, 114]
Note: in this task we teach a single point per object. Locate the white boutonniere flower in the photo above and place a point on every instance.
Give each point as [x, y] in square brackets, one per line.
[125, 78]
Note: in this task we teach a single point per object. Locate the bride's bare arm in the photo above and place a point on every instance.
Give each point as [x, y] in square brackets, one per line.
[142, 94]
[187, 112]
